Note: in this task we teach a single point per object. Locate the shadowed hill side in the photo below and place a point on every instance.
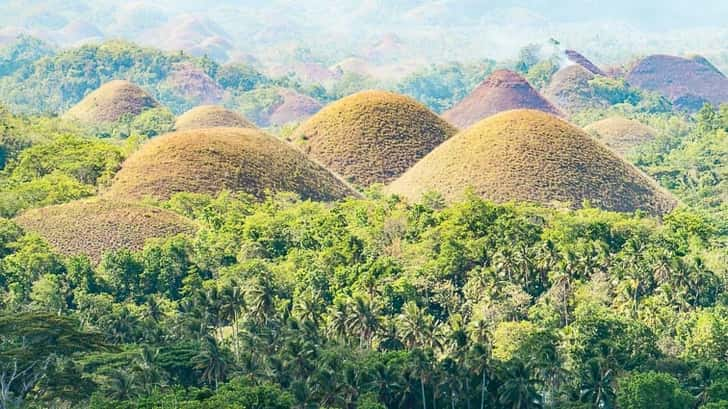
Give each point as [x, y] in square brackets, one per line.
[211, 116]
[502, 91]
[215, 159]
[527, 155]
[111, 102]
[687, 82]
[93, 227]
[620, 134]
[372, 136]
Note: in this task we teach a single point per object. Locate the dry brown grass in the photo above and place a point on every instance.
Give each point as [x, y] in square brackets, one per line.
[569, 89]
[110, 103]
[527, 155]
[211, 116]
[687, 82]
[502, 91]
[93, 227]
[215, 159]
[372, 136]
[620, 134]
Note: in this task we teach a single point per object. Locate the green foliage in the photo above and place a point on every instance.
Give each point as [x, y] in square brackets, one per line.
[652, 390]
[442, 86]
[614, 91]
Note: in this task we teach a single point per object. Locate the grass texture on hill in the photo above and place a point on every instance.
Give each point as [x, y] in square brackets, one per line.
[111, 102]
[688, 82]
[502, 91]
[570, 90]
[215, 159]
[527, 155]
[95, 226]
[211, 116]
[620, 134]
[372, 136]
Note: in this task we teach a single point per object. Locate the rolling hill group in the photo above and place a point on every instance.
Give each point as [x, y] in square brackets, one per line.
[179, 231]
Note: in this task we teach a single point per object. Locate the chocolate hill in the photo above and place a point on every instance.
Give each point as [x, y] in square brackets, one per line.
[620, 134]
[578, 58]
[93, 227]
[502, 91]
[372, 136]
[687, 82]
[570, 90]
[527, 155]
[111, 102]
[292, 107]
[210, 116]
[215, 159]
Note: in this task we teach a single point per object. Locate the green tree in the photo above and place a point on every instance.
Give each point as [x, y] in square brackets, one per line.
[652, 390]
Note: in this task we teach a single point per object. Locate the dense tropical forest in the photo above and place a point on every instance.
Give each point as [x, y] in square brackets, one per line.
[368, 302]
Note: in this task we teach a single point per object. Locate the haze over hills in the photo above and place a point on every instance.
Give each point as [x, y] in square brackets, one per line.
[425, 31]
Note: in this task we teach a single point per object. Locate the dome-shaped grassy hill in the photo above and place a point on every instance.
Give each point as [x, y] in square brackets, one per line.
[527, 155]
[620, 134]
[687, 82]
[502, 91]
[211, 116]
[570, 90]
[215, 159]
[93, 227]
[577, 58]
[372, 136]
[111, 102]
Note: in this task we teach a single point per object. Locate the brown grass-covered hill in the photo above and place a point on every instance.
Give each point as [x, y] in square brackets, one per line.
[620, 134]
[502, 91]
[111, 102]
[569, 89]
[211, 116]
[192, 83]
[687, 82]
[215, 159]
[527, 155]
[93, 227]
[577, 58]
[292, 107]
[372, 136]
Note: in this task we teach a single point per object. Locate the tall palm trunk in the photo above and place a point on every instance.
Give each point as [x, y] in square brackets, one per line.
[482, 392]
[422, 389]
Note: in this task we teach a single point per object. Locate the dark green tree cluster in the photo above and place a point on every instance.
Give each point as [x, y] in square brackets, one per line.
[374, 303]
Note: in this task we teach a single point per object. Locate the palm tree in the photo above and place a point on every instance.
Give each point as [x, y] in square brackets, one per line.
[232, 304]
[417, 327]
[211, 361]
[146, 371]
[519, 389]
[362, 320]
[122, 385]
[337, 320]
[597, 387]
[261, 298]
[478, 361]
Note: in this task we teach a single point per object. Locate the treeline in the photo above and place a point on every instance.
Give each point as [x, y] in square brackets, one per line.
[374, 303]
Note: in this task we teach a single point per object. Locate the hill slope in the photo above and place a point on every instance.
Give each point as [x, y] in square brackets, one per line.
[93, 227]
[372, 136]
[570, 90]
[111, 102]
[211, 116]
[501, 91]
[620, 134]
[687, 82]
[214, 159]
[528, 155]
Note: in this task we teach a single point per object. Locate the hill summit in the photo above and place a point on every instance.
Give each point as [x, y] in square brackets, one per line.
[94, 226]
[527, 155]
[110, 102]
[688, 82]
[211, 116]
[620, 134]
[502, 91]
[215, 159]
[372, 136]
